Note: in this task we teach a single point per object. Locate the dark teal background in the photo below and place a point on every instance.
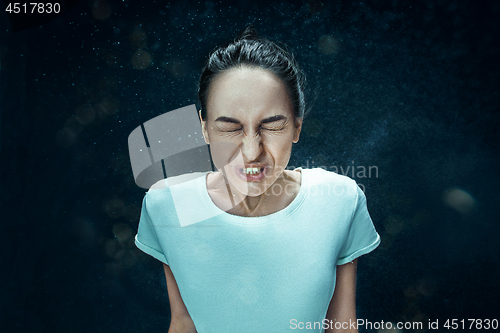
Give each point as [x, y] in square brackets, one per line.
[411, 88]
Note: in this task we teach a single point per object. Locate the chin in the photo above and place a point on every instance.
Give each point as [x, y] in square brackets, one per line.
[255, 192]
[250, 189]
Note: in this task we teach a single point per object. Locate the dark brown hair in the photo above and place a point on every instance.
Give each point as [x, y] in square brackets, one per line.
[251, 50]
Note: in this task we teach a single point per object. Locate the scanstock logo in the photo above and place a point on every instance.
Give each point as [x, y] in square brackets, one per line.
[169, 151]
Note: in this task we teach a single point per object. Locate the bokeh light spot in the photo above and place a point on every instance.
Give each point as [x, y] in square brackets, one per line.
[85, 114]
[410, 293]
[114, 208]
[313, 127]
[107, 106]
[101, 10]
[65, 137]
[316, 7]
[108, 83]
[427, 286]
[111, 248]
[393, 225]
[138, 38]
[141, 59]
[74, 125]
[176, 66]
[122, 231]
[459, 199]
[129, 258]
[328, 44]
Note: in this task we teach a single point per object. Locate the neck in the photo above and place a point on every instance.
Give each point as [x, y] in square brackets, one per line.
[266, 203]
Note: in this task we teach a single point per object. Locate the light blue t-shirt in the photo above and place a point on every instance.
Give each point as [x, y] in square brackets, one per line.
[257, 274]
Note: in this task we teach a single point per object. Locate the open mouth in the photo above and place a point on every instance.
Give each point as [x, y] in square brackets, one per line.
[251, 173]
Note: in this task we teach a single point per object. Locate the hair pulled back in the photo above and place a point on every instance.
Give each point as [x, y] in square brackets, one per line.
[251, 50]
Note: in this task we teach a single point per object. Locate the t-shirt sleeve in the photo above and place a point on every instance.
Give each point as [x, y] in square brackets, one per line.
[362, 237]
[146, 238]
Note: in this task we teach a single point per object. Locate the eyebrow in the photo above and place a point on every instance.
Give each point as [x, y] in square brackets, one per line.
[264, 121]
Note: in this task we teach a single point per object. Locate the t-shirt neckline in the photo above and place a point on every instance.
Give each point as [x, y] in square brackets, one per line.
[253, 220]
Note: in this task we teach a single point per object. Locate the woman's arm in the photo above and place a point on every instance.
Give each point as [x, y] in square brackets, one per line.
[180, 321]
[342, 307]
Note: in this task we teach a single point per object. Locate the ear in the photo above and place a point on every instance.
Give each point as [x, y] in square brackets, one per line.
[298, 128]
[204, 129]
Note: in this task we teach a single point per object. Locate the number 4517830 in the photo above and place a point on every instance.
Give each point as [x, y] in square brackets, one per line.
[484, 324]
[33, 8]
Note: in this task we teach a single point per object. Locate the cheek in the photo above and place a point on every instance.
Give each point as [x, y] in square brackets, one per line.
[280, 148]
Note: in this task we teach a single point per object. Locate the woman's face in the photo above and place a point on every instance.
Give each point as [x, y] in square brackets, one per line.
[250, 127]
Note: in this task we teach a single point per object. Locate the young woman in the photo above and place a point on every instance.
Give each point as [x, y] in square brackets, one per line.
[272, 250]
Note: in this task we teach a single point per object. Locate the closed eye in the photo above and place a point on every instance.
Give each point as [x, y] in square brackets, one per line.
[274, 129]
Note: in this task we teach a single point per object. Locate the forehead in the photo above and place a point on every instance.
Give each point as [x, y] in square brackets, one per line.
[248, 92]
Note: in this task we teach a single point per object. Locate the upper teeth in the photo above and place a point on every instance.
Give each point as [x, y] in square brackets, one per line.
[251, 171]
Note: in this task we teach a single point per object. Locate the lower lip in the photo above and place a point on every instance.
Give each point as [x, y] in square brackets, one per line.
[251, 178]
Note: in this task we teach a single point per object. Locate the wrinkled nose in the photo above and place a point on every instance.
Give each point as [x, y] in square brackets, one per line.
[251, 148]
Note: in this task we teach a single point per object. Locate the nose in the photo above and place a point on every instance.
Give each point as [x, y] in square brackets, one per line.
[251, 147]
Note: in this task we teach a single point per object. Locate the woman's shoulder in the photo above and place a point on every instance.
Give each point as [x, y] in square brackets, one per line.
[164, 189]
